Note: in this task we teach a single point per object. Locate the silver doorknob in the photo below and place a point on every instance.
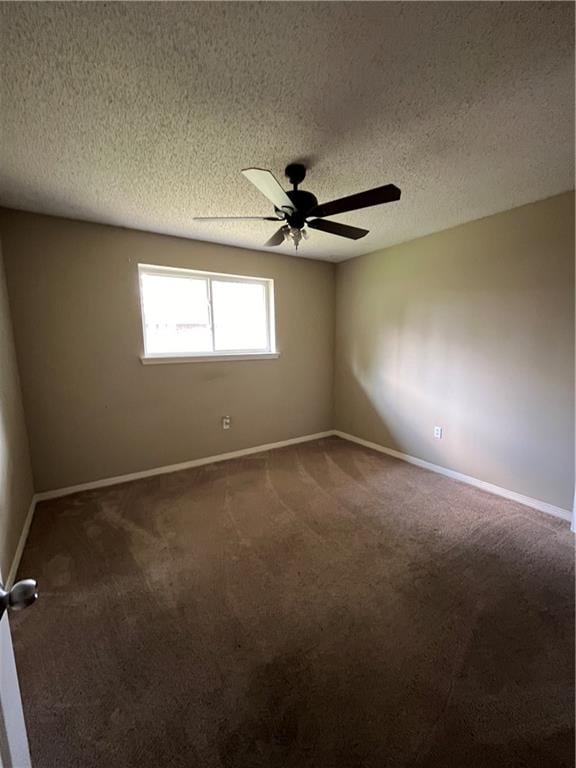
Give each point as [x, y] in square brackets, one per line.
[20, 596]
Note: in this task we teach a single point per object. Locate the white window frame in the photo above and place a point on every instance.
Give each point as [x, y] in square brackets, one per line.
[268, 353]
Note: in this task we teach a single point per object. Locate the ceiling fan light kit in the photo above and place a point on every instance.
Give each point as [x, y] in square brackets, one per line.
[299, 209]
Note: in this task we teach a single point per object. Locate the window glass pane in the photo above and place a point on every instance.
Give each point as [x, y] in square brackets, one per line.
[176, 314]
[240, 316]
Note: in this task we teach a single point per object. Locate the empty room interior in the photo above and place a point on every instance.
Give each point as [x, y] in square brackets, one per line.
[287, 384]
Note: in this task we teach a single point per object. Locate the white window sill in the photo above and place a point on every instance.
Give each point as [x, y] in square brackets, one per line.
[166, 359]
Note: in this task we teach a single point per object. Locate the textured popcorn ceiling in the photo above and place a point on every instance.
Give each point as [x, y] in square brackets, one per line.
[143, 114]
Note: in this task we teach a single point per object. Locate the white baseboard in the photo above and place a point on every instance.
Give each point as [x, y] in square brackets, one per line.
[21, 543]
[58, 492]
[528, 501]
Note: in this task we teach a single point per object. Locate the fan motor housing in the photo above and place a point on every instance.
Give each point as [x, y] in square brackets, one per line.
[304, 202]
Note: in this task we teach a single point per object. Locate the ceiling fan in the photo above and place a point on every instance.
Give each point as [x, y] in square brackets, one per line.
[299, 209]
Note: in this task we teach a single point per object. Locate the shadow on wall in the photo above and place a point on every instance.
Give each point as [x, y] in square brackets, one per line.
[411, 382]
[410, 366]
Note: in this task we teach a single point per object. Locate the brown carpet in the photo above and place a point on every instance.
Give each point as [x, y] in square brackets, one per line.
[320, 605]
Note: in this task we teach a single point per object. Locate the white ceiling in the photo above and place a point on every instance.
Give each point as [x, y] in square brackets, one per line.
[143, 114]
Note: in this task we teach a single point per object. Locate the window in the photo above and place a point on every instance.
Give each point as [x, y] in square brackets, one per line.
[189, 314]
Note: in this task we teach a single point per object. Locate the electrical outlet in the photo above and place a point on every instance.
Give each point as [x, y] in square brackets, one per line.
[438, 433]
[226, 422]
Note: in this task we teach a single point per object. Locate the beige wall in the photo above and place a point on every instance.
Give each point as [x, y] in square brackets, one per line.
[471, 329]
[94, 410]
[16, 489]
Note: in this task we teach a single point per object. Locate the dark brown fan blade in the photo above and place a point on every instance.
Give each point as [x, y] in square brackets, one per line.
[335, 228]
[277, 238]
[386, 194]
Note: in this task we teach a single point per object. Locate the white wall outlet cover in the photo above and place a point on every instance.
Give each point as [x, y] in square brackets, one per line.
[438, 432]
[225, 422]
